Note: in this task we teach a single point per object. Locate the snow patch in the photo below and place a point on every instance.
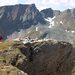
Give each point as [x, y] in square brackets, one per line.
[29, 32]
[51, 22]
[67, 31]
[72, 31]
[36, 28]
[61, 22]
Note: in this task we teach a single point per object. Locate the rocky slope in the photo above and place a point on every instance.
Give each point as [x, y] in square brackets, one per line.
[62, 23]
[48, 57]
[49, 13]
[17, 17]
[65, 19]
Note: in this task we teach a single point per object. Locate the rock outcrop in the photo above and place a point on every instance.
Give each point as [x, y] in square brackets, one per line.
[48, 57]
[47, 13]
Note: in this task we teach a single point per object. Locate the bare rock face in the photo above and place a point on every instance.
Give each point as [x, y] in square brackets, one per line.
[49, 58]
[16, 17]
[64, 19]
[47, 13]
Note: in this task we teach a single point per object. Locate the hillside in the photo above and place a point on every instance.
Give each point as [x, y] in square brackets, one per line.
[61, 24]
[50, 57]
[64, 19]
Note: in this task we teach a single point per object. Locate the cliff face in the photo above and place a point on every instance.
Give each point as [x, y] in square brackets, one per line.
[62, 24]
[47, 13]
[68, 20]
[49, 57]
[64, 19]
[14, 18]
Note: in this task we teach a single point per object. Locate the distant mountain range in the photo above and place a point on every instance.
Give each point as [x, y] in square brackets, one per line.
[19, 20]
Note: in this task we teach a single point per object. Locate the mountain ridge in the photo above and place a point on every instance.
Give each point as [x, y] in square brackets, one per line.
[18, 20]
[18, 16]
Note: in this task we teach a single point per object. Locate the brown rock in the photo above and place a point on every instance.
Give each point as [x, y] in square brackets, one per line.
[38, 58]
[50, 58]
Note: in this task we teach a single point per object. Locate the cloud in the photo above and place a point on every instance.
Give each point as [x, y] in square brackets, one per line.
[43, 7]
[72, 2]
[55, 2]
[8, 2]
[36, 2]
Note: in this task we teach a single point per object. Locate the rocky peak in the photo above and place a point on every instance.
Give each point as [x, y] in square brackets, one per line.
[50, 13]
[16, 17]
[73, 13]
[56, 12]
[47, 13]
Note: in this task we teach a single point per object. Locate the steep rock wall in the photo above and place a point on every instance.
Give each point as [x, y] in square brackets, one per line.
[49, 58]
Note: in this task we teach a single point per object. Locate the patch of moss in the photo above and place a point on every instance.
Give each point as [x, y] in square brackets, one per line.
[5, 71]
[38, 45]
[1, 50]
[14, 54]
[73, 70]
[8, 70]
[17, 63]
[73, 44]
[5, 45]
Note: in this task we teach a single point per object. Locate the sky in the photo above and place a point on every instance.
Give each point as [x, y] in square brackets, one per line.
[43, 4]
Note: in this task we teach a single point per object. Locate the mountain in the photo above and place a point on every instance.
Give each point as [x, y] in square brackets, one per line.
[65, 18]
[21, 20]
[17, 17]
[62, 24]
[49, 13]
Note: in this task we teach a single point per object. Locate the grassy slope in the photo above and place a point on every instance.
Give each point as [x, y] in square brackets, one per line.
[73, 70]
[6, 54]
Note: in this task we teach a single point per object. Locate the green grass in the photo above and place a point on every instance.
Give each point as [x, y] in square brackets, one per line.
[5, 45]
[6, 67]
[73, 44]
[73, 70]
